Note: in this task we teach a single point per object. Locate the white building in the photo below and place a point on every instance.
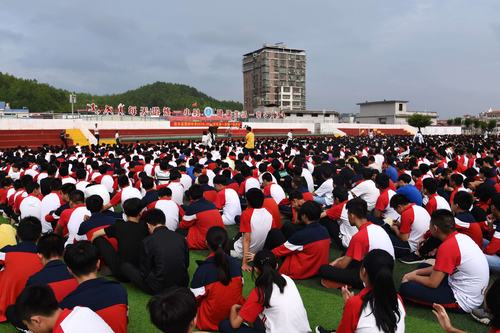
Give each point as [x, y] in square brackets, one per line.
[388, 112]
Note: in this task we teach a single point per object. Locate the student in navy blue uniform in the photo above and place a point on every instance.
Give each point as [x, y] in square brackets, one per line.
[217, 283]
[105, 297]
[164, 257]
[151, 194]
[98, 219]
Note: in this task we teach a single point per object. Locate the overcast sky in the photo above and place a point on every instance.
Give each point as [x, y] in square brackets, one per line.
[441, 55]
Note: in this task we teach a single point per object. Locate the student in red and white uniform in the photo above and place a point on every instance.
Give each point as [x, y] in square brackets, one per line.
[410, 230]
[126, 192]
[217, 282]
[81, 180]
[272, 189]
[249, 182]
[432, 200]
[100, 190]
[71, 218]
[345, 270]
[459, 276]
[255, 224]
[50, 203]
[186, 180]
[359, 314]
[176, 186]
[65, 177]
[366, 189]
[39, 311]
[54, 273]
[456, 182]
[308, 248]
[31, 205]
[199, 217]
[19, 263]
[287, 313]
[227, 200]
[105, 297]
[340, 229]
[465, 223]
[492, 248]
[172, 211]
[383, 209]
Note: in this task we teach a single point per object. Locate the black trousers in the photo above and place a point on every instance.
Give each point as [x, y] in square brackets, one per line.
[133, 274]
[427, 246]
[288, 229]
[274, 239]
[110, 258]
[348, 275]
[333, 228]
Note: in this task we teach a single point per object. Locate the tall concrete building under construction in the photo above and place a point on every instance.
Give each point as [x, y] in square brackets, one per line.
[274, 76]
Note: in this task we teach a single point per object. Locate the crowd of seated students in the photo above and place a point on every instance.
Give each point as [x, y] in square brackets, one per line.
[341, 210]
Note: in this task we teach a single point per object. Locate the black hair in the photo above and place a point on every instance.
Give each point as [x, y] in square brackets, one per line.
[202, 179]
[81, 258]
[77, 196]
[175, 174]
[492, 301]
[463, 200]
[195, 192]
[51, 245]
[220, 180]
[496, 201]
[444, 220]
[94, 203]
[31, 186]
[367, 173]
[36, 300]
[265, 261]
[164, 192]
[340, 193]
[399, 200]
[357, 207]
[217, 243]
[383, 298]
[68, 188]
[173, 311]
[295, 195]
[405, 178]
[153, 217]
[382, 181]
[311, 209]
[29, 229]
[255, 198]
[457, 179]
[430, 185]
[267, 177]
[132, 207]
[81, 173]
[55, 184]
[147, 183]
[123, 181]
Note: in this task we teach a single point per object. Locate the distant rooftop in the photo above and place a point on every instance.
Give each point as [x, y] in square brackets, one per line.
[278, 46]
[382, 102]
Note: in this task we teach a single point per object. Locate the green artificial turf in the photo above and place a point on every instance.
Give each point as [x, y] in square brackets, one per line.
[324, 307]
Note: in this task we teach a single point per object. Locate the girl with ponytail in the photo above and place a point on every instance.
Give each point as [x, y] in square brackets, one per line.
[217, 283]
[273, 306]
[378, 307]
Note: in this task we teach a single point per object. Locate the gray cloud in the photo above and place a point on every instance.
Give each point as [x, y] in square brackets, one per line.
[440, 54]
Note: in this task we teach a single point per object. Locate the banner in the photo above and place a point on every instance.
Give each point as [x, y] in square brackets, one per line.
[193, 123]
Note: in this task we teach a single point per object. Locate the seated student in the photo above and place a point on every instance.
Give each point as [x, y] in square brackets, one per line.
[31, 205]
[173, 212]
[217, 282]
[127, 235]
[407, 233]
[72, 218]
[249, 181]
[151, 194]
[53, 216]
[126, 192]
[273, 208]
[345, 270]
[337, 221]
[200, 216]
[39, 311]
[81, 179]
[287, 313]
[97, 220]
[176, 186]
[492, 248]
[366, 189]
[308, 248]
[377, 307]
[433, 201]
[105, 297]
[19, 262]
[174, 311]
[50, 202]
[255, 224]
[465, 223]
[456, 181]
[383, 209]
[408, 190]
[459, 276]
[164, 257]
[323, 193]
[209, 193]
[271, 189]
[227, 200]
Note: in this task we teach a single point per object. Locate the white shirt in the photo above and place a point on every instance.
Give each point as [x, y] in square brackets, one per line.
[368, 324]
[261, 222]
[108, 182]
[81, 185]
[186, 181]
[75, 220]
[49, 203]
[231, 207]
[30, 206]
[309, 179]
[368, 191]
[99, 190]
[325, 190]
[171, 211]
[83, 320]
[177, 192]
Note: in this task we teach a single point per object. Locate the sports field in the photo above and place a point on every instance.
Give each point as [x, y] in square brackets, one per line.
[324, 307]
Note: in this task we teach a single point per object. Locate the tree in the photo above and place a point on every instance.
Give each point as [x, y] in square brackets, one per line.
[449, 122]
[477, 123]
[484, 125]
[492, 124]
[467, 122]
[419, 120]
[457, 121]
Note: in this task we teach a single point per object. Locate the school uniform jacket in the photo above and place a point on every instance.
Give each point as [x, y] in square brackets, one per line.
[305, 252]
[214, 298]
[200, 216]
[55, 274]
[105, 297]
[466, 224]
[96, 222]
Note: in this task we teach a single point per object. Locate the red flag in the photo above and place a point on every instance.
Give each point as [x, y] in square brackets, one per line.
[194, 105]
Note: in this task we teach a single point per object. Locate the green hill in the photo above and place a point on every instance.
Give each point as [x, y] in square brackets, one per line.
[41, 97]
